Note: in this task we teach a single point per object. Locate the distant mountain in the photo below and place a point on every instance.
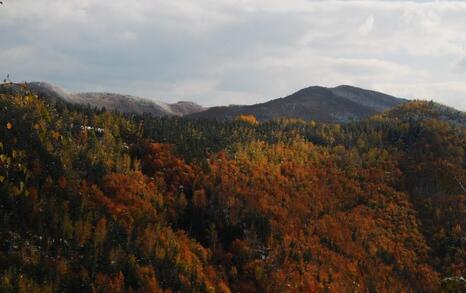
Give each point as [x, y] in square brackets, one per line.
[185, 108]
[374, 100]
[340, 104]
[46, 90]
[111, 101]
[121, 103]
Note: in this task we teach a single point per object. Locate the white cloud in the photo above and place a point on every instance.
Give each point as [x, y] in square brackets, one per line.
[367, 26]
[460, 66]
[232, 51]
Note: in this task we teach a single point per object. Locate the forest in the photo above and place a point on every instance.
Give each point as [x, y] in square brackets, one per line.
[97, 201]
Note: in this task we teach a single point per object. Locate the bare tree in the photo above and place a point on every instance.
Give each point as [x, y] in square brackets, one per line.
[460, 184]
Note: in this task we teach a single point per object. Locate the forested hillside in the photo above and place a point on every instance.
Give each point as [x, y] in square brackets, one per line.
[94, 201]
[100, 100]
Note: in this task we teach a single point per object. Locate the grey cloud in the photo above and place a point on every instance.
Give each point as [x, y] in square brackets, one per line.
[460, 66]
[220, 52]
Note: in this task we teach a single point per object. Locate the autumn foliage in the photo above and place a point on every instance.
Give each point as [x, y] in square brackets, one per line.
[247, 118]
[172, 205]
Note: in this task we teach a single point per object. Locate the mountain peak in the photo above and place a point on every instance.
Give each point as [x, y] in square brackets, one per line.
[339, 104]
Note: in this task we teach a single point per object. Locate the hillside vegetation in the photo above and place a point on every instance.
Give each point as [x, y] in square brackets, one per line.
[95, 201]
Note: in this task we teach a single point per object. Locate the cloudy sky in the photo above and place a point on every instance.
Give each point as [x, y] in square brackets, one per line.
[237, 51]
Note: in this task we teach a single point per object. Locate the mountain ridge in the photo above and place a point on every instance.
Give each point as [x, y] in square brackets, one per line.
[110, 101]
[338, 104]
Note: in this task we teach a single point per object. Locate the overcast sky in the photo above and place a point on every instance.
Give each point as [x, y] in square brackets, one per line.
[237, 51]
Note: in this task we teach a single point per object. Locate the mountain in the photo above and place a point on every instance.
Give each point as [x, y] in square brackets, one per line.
[122, 103]
[109, 101]
[100, 202]
[51, 93]
[340, 104]
[185, 108]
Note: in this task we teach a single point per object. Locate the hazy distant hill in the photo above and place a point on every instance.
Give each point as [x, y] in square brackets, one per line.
[340, 104]
[46, 90]
[132, 104]
[111, 101]
[374, 100]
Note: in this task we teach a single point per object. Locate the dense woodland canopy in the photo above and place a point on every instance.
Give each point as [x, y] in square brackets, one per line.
[93, 201]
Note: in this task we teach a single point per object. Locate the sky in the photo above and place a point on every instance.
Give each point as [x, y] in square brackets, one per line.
[219, 52]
